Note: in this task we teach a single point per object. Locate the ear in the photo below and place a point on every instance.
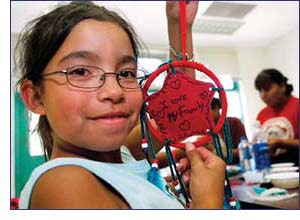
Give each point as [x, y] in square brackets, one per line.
[31, 96]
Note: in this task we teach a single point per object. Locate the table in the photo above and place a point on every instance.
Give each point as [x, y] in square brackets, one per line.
[239, 187]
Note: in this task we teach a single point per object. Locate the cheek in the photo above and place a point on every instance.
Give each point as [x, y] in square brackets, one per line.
[135, 101]
[274, 94]
[63, 110]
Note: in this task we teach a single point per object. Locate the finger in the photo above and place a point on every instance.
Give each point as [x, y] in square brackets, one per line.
[183, 164]
[186, 176]
[192, 154]
[210, 159]
[206, 155]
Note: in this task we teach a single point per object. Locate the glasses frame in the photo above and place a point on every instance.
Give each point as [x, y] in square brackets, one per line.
[66, 72]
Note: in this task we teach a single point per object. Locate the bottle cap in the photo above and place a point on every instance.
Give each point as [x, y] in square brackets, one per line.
[243, 138]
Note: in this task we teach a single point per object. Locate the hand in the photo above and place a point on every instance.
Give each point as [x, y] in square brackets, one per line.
[172, 11]
[184, 164]
[274, 144]
[210, 146]
[207, 176]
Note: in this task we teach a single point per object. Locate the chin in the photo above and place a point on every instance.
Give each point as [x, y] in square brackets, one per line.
[110, 144]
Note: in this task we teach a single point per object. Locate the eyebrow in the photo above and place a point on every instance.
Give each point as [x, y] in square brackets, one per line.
[126, 59]
[88, 55]
[79, 54]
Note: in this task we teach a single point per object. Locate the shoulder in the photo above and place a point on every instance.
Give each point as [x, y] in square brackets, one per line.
[236, 123]
[294, 100]
[265, 112]
[236, 126]
[234, 120]
[71, 187]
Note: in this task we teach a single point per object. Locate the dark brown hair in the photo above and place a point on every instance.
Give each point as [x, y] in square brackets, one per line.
[268, 76]
[42, 37]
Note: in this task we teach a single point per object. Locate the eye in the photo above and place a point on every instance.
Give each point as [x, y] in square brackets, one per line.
[80, 71]
[128, 73]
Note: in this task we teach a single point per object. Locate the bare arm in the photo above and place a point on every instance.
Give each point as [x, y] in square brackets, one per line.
[174, 32]
[72, 187]
[275, 143]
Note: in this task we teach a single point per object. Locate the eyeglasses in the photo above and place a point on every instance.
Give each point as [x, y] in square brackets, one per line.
[89, 77]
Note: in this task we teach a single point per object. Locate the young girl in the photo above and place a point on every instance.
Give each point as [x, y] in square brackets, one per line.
[79, 65]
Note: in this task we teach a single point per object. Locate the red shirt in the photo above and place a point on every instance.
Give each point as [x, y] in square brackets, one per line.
[281, 123]
[237, 130]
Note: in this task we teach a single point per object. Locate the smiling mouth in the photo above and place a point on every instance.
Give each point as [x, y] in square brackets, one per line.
[115, 118]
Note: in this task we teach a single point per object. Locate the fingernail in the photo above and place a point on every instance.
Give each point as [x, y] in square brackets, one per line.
[179, 167]
[185, 178]
[189, 146]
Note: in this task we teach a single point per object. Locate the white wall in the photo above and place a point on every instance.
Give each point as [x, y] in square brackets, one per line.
[245, 63]
[219, 60]
[250, 62]
[283, 54]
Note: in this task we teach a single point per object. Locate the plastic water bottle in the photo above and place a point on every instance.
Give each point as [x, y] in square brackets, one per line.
[246, 156]
[261, 148]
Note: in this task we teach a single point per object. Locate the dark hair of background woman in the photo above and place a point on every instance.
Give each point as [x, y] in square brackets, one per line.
[268, 76]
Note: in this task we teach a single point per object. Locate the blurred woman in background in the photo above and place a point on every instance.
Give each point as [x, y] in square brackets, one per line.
[280, 118]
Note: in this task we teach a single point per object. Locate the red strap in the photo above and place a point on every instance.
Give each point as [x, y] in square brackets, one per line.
[183, 28]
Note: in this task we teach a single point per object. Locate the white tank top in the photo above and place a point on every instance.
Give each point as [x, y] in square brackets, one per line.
[128, 178]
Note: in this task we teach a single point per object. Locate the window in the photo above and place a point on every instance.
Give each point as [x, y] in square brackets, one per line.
[35, 144]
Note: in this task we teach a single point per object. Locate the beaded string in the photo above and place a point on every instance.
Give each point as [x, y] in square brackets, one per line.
[227, 135]
[146, 136]
[153, 175]
[228, 141]
[172, 166]
[169, 160]
[227, 188]
[217, 144]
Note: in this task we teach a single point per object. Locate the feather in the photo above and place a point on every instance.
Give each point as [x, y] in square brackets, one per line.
[155, 178]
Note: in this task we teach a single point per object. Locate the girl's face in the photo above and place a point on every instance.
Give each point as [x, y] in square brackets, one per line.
[273, 95]
[95, 119]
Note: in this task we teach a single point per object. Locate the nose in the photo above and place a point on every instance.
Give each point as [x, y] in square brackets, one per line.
[111, 90]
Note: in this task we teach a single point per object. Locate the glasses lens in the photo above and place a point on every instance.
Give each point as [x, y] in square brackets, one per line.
[93, 77]
[85, 76]
[129, 78]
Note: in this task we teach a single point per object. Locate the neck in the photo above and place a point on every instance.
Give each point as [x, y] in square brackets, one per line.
[110, 156]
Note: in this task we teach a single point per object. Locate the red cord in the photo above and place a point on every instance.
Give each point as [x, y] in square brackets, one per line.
[183, 29]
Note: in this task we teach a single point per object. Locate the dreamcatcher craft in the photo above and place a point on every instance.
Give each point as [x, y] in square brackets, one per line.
[181, 109]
